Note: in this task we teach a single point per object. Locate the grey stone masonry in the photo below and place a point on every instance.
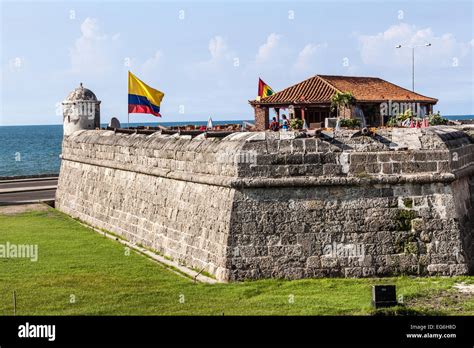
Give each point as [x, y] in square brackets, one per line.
[282, 205]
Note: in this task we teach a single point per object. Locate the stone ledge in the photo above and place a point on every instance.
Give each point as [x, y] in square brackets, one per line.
[301, 181]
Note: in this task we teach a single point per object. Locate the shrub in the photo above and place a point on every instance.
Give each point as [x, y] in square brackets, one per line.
[349, 123]
[405, 116]
[296, 123]
[437, 119]
[393, 121]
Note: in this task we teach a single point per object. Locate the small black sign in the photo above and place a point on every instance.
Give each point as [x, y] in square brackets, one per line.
[384, 296]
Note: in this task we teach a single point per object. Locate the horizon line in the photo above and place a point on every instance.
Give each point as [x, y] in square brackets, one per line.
[60, 124]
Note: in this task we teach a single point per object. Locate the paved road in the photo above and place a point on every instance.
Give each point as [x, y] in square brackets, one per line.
[27, 190]
[11, 184]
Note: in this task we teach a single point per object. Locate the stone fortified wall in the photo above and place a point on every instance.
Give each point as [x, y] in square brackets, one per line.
[259, 205]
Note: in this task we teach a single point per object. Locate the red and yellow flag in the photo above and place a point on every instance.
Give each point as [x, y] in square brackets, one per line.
[264, 90]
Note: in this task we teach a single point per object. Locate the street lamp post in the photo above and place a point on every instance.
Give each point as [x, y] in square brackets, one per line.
[413, 61]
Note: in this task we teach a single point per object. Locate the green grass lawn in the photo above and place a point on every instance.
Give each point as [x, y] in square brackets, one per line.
[76, 262]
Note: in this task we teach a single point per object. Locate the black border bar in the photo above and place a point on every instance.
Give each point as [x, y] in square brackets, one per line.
[330, 330]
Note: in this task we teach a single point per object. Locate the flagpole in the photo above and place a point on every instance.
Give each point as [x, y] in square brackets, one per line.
[128, 110]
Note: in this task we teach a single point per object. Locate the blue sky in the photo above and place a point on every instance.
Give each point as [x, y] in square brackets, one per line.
[207, 56]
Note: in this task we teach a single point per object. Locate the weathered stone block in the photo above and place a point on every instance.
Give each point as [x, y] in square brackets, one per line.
[313, 262]
[312, 158]
[331, 169]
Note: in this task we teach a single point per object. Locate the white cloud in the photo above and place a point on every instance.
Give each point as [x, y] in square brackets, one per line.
[307, 59]
[152, 64]
[93, 50]
[90, 29]
[267, 50]
[218, 48]
[379, 49]
[221, 57]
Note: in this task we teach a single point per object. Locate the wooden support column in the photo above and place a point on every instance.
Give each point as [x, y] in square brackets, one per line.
[277, 111]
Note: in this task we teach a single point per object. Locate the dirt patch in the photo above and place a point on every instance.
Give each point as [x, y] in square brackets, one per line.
[22, 208]
[451, 301]
[465, 288]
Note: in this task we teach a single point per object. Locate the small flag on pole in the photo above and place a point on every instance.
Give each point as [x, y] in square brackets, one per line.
[264, 90]
[142, 98]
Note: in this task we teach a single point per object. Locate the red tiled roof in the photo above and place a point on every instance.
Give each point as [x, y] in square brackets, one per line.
[320, 88]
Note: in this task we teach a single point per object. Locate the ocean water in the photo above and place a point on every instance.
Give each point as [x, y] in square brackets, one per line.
[33, 150]
[30, 150]
[459, 117]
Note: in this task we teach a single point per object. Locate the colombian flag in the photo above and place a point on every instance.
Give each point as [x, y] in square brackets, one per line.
[142, 98]
[264, 90]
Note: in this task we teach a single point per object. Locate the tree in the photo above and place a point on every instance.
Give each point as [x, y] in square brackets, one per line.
[341, 99]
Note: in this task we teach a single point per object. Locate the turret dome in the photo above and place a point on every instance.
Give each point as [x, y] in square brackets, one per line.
[81, 94]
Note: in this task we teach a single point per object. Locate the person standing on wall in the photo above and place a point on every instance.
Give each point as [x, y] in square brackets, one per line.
[275, 126]
[285, 123]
